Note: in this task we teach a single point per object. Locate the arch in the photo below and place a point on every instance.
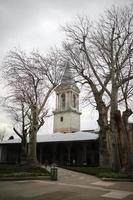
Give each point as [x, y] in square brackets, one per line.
[63, 99]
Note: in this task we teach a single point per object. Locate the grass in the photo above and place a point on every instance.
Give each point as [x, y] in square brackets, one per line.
[101, 172]
[17, 171]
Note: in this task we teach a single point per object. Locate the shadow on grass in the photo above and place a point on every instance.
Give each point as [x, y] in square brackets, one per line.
[100, 172]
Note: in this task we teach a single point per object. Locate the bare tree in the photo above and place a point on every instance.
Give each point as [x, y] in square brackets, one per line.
[33, 78]
[102, 55]
[21, 123]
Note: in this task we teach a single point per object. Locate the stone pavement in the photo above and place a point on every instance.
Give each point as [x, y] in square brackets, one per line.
[70, 186]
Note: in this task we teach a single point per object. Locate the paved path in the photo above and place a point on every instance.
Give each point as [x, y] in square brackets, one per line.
[70, 186]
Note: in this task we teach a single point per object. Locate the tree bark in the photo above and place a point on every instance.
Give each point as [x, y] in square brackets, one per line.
[104, 150]
[115, 154]
[23, 155]
[104, 139]
[126, 137]
[32, 154]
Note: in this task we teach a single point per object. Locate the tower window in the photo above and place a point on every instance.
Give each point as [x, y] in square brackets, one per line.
[57, 101]
[63, 101]
[74, 101]
[61, 119]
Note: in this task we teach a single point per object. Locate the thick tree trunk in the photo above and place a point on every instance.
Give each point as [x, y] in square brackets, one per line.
[121, 151]
[129, 152]
[104, 151]
[23, 154]
[104, 139]
[125, 150]
[120, 133]
[130, 155]
[116, 164]
[32, 153]
[32, 150]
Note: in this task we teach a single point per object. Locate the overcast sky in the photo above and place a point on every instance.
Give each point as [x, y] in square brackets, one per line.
[35, 24]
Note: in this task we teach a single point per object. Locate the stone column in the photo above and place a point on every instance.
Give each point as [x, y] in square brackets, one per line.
[1, 153]
[54, 153]
[71, 99]
[84, 153]
[69, 153]
[77, 102]
[79, 155]
[57, 101]
[4, 154]
[61, 160]
[40, 152]
[92, 157]
[67, 99]
[68, 94]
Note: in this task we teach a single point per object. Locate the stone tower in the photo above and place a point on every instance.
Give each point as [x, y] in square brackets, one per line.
[66, 114]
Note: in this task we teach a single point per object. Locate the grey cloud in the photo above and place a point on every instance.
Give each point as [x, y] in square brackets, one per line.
[17, 14]
[20, 18]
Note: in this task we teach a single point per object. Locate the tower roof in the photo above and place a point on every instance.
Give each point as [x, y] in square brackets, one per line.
[67, 81]
[67, 77]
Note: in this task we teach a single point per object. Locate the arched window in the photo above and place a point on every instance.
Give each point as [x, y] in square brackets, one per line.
[63, 101]
[74, 100]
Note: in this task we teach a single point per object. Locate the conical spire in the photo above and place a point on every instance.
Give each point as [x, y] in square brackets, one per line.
[67, 77]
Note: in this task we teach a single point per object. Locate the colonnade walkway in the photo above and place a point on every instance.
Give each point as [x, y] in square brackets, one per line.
[70, 186]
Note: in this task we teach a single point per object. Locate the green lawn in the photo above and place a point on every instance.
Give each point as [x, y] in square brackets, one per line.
[17, 171]
[101, 172]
